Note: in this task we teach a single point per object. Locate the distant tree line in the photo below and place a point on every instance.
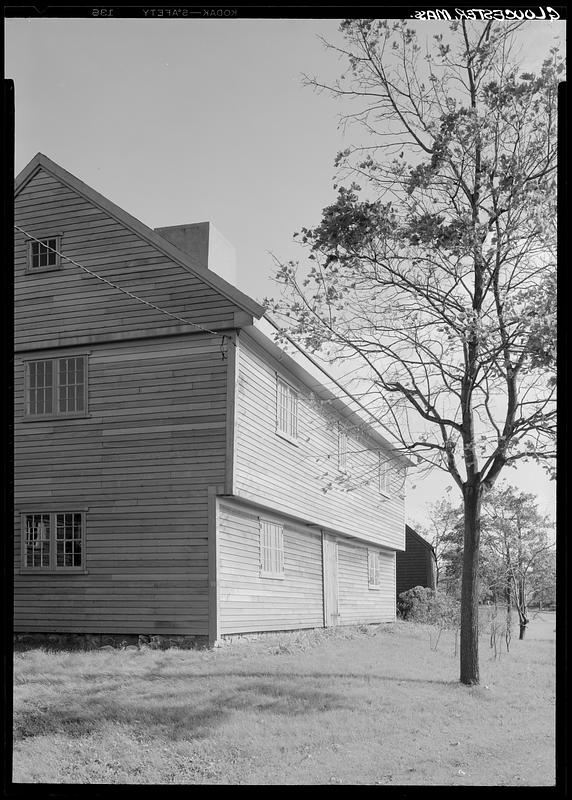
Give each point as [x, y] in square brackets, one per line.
[517, 567]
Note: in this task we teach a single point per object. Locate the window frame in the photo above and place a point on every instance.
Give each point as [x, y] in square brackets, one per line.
[57, 237]
[53, 568]
[342, 449]
[292, 415]
[383, 482]
[373, 569]
[400, 474]
[55, 413]
[279, 572]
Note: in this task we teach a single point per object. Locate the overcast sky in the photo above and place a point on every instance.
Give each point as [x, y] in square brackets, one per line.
[189, 120]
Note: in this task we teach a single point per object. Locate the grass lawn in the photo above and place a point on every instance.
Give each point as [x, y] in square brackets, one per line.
[350, 706]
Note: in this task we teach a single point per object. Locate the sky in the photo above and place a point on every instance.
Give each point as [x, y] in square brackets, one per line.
[189, 120]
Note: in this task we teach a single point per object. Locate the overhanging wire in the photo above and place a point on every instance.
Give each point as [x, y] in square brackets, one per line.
[121, 289]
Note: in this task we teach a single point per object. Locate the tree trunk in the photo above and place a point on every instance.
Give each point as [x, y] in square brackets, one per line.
[470, 586]
[508, 621]
[522, 610]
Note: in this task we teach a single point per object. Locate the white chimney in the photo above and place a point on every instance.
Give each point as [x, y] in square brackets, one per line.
[207, 248]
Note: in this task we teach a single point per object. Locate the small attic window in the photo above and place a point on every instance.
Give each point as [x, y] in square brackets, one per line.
[44, 254]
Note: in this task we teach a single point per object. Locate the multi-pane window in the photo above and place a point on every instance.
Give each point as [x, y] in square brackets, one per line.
[53, 540]
[384, 472]
[286, 410]
[342, 450]
[43, 254]
[271, 549]
[56, 386]
[373, 569]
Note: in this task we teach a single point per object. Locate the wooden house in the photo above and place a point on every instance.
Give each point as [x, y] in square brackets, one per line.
[170, 459]
[416, 565]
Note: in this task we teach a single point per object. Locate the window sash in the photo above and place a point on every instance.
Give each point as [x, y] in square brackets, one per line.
[37, 540]
[287, 410]
[69, 539]
[40, 387]
[71, 385]
[56, 386]
[271, 549]
[53, 540]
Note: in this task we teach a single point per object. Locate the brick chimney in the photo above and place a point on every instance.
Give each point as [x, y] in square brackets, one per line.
[207, 248]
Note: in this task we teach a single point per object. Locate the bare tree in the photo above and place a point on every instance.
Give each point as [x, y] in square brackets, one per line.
[436, 270]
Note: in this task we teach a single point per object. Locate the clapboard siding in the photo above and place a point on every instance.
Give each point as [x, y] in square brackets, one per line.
[292, 477]
[249, 602]
[68, 302]
[141, 462]
[357, 602]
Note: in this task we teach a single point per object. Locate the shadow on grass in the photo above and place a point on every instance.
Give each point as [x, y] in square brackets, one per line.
[173, 715]
[168, 673]
[366, 677]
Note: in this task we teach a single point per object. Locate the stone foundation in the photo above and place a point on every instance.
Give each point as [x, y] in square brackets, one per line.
[229, 638]
[297, 633]
[96, 641]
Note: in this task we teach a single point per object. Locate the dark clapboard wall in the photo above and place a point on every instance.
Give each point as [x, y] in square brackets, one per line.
[140, 462]
[416, 565]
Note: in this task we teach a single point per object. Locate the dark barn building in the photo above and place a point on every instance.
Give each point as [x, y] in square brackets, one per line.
[416, 565]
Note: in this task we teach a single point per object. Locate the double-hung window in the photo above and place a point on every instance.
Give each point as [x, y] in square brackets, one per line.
[44, 254]
[54, 541]
[286, 410]
[374, 569]
[56, 387]
[271, 549]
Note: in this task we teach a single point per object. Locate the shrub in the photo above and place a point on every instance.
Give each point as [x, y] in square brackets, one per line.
[421, 604]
